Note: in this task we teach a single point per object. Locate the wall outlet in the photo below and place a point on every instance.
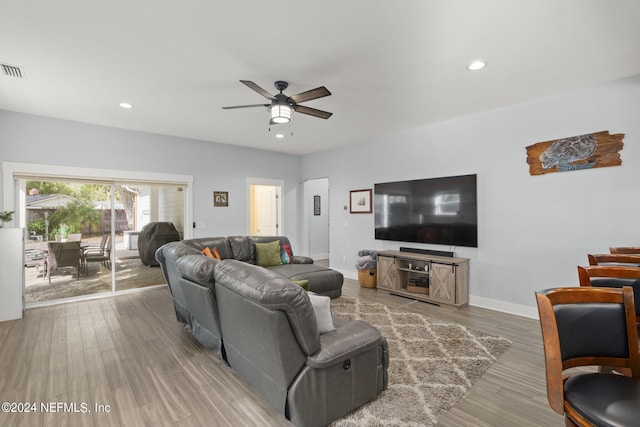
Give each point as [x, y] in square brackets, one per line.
[344, 259]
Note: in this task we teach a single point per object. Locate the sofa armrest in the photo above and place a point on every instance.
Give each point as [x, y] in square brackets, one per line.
[299, 259]
[198, 269]
[347, 341]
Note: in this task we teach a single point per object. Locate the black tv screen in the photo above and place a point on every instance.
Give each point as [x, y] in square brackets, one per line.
[442, 211]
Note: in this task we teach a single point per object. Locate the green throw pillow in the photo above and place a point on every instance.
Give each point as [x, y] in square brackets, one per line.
[268, 254]
[304, 283]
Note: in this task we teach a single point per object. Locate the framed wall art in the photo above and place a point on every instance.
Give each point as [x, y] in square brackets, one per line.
[360, 201]
[592, 150]
[220, 198]
[316, 205]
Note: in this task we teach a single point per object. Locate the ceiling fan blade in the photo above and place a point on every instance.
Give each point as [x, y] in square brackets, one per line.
[318, 92]
[313, 112]
[257, 88]
[245, 106]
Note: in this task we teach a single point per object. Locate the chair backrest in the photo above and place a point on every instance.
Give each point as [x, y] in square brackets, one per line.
[625, 250]
[74, 237]
[612, 276]
[106, 248]
[586, 274]
[586, 326]
[103, 240]
[64, 254]
[597, 259]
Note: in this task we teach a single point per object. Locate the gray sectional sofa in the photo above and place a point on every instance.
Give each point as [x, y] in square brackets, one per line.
[191, 280]
[272, 340]
[266, 328]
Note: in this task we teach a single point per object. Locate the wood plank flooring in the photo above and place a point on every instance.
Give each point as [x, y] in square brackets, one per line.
[129, 355]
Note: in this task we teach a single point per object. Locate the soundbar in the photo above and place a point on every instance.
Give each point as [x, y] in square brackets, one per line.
[426, 252]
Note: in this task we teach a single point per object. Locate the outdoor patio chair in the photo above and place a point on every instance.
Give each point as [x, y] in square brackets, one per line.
[64, 254]
[103, 243]
[101, 254]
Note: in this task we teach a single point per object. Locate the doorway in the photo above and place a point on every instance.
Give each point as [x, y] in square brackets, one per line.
[316, 218]
[265, 207]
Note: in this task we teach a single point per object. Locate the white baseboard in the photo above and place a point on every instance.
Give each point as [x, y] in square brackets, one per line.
[476, 301]
[504, 306]
[319, 256]
[349, 274]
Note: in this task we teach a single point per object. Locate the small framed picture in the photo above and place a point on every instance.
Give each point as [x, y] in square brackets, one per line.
[316, 205]
[220, 198]
[360, 201]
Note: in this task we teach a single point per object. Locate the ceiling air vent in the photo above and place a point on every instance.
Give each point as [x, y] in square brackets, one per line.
[12, 71]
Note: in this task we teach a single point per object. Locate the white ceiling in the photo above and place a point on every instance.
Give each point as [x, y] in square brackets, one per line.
[390, 65]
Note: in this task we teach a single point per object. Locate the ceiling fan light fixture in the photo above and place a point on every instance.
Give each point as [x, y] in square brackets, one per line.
[280, 113]
[476, 65]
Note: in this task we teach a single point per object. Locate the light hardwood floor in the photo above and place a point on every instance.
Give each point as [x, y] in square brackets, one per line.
[129, 352]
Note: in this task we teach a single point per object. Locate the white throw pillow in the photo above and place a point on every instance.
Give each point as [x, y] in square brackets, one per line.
[322, 309]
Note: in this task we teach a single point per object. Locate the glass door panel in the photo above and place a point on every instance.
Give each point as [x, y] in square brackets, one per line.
[64, 220]
[142, 205]
[82, 236]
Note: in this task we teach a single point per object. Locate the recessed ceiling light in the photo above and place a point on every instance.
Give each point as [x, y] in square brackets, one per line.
[125, 105]
[476, 65]
[279, 135]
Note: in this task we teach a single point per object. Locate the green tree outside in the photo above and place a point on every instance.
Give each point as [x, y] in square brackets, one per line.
[77, 215]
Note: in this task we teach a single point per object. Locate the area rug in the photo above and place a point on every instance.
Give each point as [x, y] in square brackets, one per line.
[432, 364]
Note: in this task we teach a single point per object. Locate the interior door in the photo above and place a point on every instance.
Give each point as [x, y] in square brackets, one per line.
[266, 197]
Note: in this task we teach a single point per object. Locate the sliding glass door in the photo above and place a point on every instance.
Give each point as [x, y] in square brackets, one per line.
[83, 234]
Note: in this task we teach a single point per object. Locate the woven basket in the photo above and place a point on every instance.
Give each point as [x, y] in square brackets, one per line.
[368, 277]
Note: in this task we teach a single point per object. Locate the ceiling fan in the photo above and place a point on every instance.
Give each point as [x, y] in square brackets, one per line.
[282, 105]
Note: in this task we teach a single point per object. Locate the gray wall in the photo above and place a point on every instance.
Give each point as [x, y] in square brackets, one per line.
[34, 139]
[533, 230]
[317, 226]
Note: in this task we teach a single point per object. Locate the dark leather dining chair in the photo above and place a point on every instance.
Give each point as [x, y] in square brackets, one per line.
[612, 276]
[625, 260]
[586, 326]
[625, 250]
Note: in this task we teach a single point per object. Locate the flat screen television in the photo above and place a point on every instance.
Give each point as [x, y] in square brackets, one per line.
[442, 211]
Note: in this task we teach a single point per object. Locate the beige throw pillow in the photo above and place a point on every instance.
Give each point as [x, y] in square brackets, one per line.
[322, 309]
